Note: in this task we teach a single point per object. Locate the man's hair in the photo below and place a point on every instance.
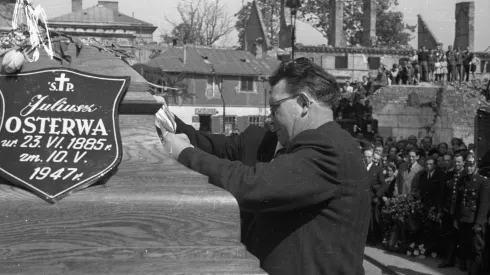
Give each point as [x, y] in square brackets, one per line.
[433, 159]
[442, 143]
[303, 75]
[417, 152]
[449, 154]
[459, 155]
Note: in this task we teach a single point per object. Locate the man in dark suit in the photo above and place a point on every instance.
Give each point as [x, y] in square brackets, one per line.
[378, 186]
[311, 203]
[431, 184]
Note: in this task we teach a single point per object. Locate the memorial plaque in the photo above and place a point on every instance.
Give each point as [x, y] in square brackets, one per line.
[59, 130]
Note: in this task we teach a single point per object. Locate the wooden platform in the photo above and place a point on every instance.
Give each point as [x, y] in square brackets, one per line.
[153, 216]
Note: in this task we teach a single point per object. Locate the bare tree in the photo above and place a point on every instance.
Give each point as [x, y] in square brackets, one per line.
[201, 22]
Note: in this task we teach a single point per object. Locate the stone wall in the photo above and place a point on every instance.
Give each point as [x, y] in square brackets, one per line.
[357, 66]
[400, 117]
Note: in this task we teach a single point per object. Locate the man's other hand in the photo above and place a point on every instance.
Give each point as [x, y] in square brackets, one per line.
[174, 144]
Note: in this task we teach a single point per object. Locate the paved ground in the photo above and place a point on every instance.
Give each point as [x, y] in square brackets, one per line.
[371, 269]
[391, 263]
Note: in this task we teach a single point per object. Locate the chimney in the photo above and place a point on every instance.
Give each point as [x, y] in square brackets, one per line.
[336, 36]
[113, 5]
[258, 48]
[465, 25]
[76, 5]
[368, 22]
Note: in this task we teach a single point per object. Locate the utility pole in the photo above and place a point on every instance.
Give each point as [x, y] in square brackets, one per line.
[294, 6]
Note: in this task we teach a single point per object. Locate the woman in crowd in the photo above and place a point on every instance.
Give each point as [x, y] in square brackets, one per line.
[438, 69]
[390, 179]
[443, 74]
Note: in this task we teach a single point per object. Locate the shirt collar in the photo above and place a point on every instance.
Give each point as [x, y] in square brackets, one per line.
[278, 147]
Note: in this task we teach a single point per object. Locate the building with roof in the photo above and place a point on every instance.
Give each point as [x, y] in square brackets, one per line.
[105, 23]
[6, 11]
[211, 76]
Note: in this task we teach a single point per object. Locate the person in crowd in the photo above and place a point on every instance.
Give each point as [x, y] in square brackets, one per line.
[344, 109]
[416, 75]
[423, 58]
[451, 64]
[390, 179]
[455, 143]
[390, 141]
[414, 58]
[433, 153]
[442, 148]
[438, 69]
[431, 183]
[448, 163]
[393, 75]
[440, 164]
[366, 82]
[401, 144]
[450, 236]
[381, 80]
[393, 151]
[475, 61]
[467, 57]
[378, 149]
[472, 206]
[431, 65]
[359, 89]
[444, 70]
[377, 160]
[348, 91]
[311, 204]
[412, 140]
[377, 186]
[404, 73]
[426, 144]
[378, 138]
[368, 110]
[459, 63]
[409, 174]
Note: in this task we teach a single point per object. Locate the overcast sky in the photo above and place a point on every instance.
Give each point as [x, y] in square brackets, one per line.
[439, 14]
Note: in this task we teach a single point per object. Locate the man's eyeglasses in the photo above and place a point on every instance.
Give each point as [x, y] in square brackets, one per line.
[274, 106]
[470, 163]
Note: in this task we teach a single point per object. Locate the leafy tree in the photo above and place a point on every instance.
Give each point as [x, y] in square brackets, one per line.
[391, 31]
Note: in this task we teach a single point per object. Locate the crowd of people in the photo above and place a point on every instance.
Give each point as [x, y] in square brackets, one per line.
[446, 179]
[424, 65]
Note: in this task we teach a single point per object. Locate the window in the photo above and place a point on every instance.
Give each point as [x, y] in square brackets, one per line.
[247, 85]
[230, 124]
[374, 63]
[255, 120]
[212, 87]
[341, 62]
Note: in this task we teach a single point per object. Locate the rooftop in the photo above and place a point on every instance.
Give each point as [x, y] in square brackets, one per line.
[99, 16]
[222, 61]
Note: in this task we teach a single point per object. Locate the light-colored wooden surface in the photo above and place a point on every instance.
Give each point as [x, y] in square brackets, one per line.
[153, 216]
